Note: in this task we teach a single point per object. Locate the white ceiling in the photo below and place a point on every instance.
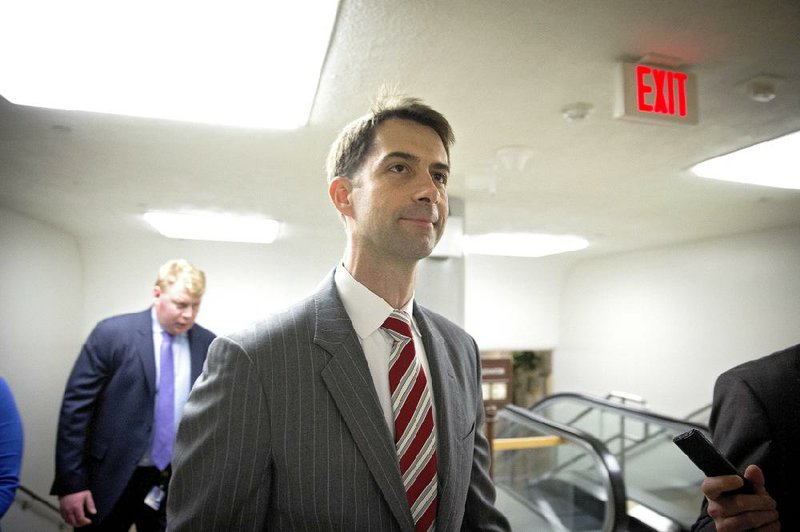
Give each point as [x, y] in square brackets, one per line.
[501, 71]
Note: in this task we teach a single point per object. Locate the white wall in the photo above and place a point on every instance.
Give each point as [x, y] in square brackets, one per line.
[664, 323]
[440, 287]
[514, 303]
[244, 281]
[41, 298]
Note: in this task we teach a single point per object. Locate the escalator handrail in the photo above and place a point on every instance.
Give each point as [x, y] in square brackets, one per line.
[630, 411]
[616, 518]
[698, 411]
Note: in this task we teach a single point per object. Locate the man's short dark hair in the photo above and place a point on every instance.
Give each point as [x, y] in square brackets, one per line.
[352, 145]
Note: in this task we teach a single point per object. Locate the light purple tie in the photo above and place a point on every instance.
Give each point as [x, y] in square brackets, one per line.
[165, 407]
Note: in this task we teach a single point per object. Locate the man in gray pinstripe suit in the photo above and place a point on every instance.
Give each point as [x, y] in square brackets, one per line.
[290, 426]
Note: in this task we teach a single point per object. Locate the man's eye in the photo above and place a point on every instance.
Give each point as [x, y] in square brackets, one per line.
[440, 178]
[397, 168]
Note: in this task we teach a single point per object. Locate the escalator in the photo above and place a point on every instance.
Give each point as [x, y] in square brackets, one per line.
[578, 463]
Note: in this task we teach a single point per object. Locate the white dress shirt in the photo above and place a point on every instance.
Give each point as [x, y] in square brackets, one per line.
[367, 312]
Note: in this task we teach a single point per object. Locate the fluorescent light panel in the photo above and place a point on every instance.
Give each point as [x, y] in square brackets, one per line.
[214, 226]
[522, 244]
[242, 63]
[772, 164]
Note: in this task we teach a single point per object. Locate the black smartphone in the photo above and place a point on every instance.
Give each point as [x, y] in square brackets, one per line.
[705, 456]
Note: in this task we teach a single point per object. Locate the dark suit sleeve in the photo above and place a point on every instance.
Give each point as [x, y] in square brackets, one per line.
[739, 429]
[480, 512]
[220, 478]
[86, 382]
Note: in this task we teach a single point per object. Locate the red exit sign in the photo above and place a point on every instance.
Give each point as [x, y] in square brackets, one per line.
[657, 94]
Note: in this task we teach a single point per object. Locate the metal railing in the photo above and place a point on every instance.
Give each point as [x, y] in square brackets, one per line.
[632, 433]
[33, 497]
[615, 517]
[625, 412]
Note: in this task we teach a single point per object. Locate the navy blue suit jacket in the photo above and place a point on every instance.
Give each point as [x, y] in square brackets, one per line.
[105, 426]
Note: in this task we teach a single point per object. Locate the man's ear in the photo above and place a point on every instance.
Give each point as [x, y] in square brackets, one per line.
[339, 190]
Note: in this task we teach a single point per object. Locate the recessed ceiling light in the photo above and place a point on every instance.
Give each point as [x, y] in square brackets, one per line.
[762, 88]
[243, 63]
[522, 244]
[514, 159]
[771, 164]
[214, 226]
[577, 112]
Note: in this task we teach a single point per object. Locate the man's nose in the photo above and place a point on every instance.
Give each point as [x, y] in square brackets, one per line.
[428, 191]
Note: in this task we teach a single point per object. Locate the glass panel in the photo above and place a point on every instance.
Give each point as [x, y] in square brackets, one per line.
[559, 487]
[657, 474]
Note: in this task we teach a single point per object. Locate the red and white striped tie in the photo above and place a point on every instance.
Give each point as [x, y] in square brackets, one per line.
[415, 434]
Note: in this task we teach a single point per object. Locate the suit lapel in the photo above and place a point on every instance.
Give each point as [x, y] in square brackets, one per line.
[145, 349]
[350, 384]
[196, 353]
[790, 396]
[448, 413]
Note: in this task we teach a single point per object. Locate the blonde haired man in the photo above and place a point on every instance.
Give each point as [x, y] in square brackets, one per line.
[122, 403]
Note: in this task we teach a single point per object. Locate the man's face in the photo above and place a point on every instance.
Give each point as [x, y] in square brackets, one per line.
[398, 198]
[175, 308]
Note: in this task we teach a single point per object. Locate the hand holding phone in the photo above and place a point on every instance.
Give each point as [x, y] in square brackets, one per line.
[705, 456]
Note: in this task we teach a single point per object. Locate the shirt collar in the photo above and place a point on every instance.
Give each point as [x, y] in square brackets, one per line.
[158, 329]
[367, 310]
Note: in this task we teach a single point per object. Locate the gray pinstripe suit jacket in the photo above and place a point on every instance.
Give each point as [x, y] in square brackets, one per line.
[284, 431]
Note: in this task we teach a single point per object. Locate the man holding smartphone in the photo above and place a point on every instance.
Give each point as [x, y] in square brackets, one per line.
[755, 422]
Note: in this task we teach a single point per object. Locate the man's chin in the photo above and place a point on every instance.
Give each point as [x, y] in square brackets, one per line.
[420, 252]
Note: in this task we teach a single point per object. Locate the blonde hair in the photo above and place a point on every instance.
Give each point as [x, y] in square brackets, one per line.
[180, 270]
[350, 148]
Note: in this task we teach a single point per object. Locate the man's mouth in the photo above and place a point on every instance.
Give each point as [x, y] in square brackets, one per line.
[420, 221]
[421, 218]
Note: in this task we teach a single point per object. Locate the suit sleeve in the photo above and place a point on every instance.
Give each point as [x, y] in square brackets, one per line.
[739, 429]
[480, 512]
[221, 473]
[86, 382]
